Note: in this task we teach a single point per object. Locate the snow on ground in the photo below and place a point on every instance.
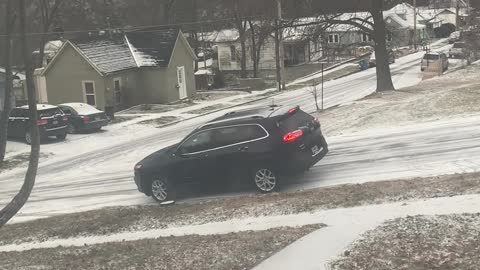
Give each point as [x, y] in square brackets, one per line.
[317, 250]
[325, 244]
[452, 95]
[319, 75]
[91, 171]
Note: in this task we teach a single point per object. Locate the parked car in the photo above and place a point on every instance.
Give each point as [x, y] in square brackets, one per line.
[459, 50]
[454, 37]
[434, 59]
[373, 61]
[262, 145]
[83, 117]
[51, 122]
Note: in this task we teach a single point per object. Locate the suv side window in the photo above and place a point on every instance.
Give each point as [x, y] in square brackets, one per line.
[238, 134]
[198, 142]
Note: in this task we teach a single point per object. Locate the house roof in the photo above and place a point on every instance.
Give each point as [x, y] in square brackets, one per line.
[107, 55]
[152, 48]
[21, 76]
[142, 48]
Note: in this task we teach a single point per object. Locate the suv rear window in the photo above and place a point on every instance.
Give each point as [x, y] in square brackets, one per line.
[19, 113]
[49, 112]
[459, 45]
[295, 121]
[431, 57]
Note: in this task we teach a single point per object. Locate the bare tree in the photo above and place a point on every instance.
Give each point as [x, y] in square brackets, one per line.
[260, 31]
[376, 29]
[12, 208]
[7, 106]
[48, 12]
[313, 89]
[384, 76]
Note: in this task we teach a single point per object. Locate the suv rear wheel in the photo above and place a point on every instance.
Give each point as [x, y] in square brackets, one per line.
[265, 179]
[162, 190]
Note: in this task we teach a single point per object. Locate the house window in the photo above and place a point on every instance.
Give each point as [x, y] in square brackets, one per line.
[366, 37]
[389, 36]
[333, 38]
[233, 53]
[89, 91]
[117, 89]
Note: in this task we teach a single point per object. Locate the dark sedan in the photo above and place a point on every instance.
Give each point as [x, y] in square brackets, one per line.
[51, 122]
[83, 117]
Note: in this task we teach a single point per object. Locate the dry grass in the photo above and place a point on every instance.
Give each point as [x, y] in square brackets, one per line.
[119, 219]
[241, 250]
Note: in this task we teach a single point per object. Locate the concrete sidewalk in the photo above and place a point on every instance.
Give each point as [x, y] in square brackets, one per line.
[316, 250]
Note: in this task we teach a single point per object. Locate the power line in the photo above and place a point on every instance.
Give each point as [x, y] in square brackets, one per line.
[143, 27]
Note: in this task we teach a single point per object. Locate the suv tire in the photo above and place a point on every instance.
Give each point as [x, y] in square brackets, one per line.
[162, 189]
[265, 179]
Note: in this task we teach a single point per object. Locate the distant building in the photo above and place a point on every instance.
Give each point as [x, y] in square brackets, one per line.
[441, 4]
[19, 93]
[115, 72]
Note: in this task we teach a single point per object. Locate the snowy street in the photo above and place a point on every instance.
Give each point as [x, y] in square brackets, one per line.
[96, 171]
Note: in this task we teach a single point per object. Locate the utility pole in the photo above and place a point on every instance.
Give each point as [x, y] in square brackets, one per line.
[279, 49]
[457, 15]
[415, 24]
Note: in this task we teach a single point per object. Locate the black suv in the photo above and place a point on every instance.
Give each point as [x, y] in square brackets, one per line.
[51, 122]
[259, 144]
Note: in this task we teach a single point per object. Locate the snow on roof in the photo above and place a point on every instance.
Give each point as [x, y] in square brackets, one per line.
[41, 107]
[21, 76]
[204, 72]
[152, 48]
[227, 35]
[107, 55]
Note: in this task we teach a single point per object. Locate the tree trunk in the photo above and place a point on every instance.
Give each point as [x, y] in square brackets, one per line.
[384, 76]
[254, 49]
[41, 49]
[278, 72]
[7, 105]
[243, 46]
[12, 208]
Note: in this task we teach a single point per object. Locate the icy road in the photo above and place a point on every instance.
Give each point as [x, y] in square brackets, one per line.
[98, 172]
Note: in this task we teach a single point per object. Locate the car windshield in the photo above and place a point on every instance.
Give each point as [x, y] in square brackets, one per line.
[240, 134]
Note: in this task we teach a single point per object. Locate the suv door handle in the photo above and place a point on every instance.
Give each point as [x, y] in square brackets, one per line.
[243, 148]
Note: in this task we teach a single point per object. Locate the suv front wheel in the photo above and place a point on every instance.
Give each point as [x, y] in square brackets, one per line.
[162, 190]
[265, 179]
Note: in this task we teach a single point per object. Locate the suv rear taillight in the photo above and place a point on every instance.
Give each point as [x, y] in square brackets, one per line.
[293, 136]
[65, 118]
[42, 122]
[85, 119]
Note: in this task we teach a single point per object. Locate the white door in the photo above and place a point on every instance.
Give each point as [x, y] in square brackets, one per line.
[182, 86]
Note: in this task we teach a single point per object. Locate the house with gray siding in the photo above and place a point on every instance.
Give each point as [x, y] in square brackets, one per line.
[114, 72]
